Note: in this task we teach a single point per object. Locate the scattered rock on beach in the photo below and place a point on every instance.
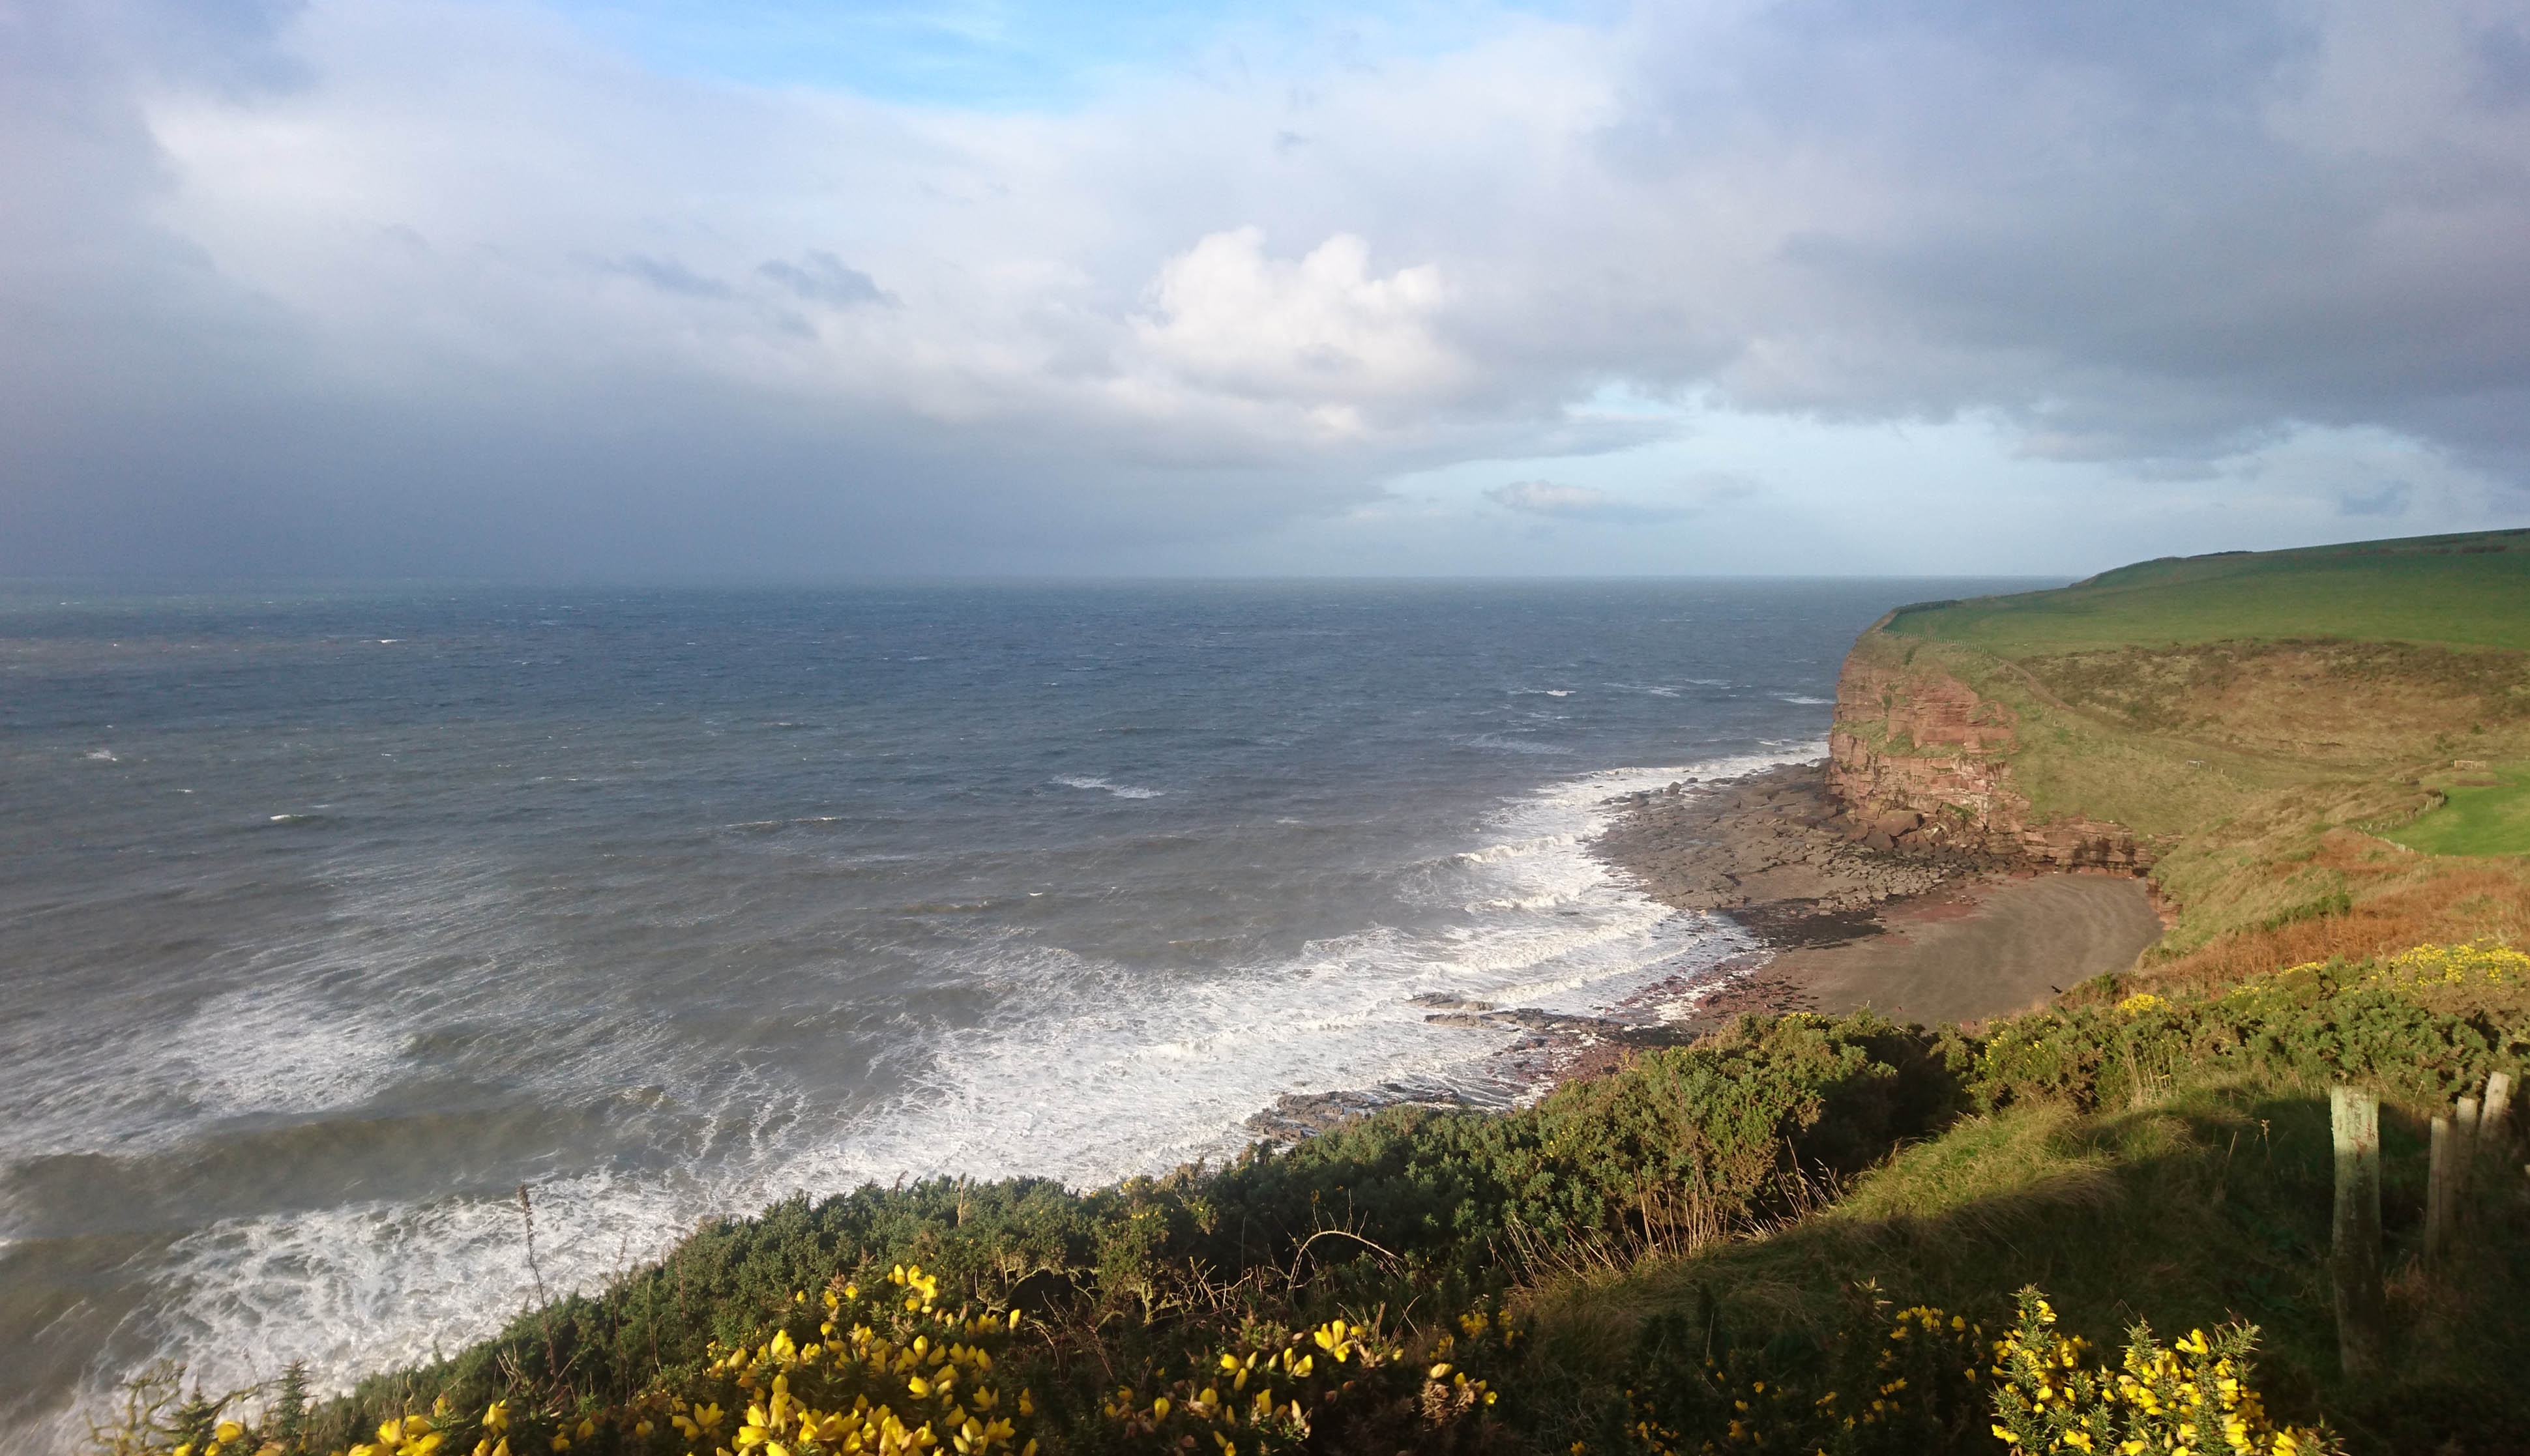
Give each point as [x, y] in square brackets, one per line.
[1298, 1115]
[1778, 854]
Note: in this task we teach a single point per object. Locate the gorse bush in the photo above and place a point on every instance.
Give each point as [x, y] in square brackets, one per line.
[1923, 1380]
[1884, 1385]
[893, 1372]
[2309, 1024]
[2452, 967]
[1388, 1236]
[2195, 1395]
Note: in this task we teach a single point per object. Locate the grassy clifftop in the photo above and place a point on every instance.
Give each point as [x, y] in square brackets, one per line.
[2466, 591]
[2317, 751]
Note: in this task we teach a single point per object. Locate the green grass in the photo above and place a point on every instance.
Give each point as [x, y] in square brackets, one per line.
[2476, 819]
[2470, 591]
[2207, 1204]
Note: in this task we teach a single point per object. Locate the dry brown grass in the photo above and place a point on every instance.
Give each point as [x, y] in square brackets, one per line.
[2408, 900]
[2311, 703]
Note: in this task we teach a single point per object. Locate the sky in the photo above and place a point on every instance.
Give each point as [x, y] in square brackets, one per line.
[795, 290]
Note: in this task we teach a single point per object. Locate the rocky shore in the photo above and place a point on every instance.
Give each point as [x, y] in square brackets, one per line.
[1848, 912]
[1779, 854]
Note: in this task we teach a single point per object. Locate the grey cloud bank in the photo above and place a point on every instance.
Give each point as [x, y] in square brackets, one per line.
[1577, 503]
[407, 288]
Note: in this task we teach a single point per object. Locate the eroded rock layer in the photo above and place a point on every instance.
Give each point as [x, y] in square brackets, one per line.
[1924, 760]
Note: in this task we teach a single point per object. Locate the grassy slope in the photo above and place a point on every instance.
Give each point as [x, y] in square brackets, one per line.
[2461, 590]
[2206, 1205]
[2479, 816]
[2273, 716]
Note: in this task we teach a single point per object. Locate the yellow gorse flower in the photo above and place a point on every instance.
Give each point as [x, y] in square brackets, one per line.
[893, 1372]
[2190, 1395]
[2479, 963]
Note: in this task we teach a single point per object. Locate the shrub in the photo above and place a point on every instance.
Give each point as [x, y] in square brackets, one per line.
[2195, 1395]
[1903, 1384]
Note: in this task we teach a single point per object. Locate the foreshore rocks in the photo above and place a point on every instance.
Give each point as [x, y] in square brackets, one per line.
[1771, 850]
[1776, 852]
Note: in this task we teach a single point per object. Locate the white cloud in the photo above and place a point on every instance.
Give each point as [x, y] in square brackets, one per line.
[1321, 331]
[322, 282]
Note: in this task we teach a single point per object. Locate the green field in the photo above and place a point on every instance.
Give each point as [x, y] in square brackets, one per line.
[2476, 819]
[2465, 591]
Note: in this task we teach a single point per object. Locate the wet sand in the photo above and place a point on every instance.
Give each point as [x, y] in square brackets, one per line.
[1984, 948]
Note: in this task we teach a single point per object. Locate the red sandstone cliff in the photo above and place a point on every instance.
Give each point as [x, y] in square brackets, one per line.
[1921, 759]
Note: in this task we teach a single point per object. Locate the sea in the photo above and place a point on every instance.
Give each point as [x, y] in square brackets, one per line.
[330, 918]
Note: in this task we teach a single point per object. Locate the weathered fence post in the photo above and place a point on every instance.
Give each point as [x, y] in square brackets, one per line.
[2438, 1191]
[2496, 1129]
[2354, 1262]
[2464, 1133]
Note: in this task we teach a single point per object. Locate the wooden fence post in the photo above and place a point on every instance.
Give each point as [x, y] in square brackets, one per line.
[2355, 1118]
[2464, 1133]
[2496, 1127]
[2438, 1191]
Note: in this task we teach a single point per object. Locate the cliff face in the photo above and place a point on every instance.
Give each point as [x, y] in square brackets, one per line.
[1920, 759]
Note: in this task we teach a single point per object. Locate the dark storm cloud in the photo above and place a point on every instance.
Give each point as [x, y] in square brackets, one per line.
[2142, 228]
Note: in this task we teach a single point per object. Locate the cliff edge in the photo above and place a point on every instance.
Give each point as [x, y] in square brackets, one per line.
[1920, 759]
[2273, 738]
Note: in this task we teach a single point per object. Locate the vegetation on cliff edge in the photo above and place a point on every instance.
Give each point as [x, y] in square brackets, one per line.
[1617, 1266]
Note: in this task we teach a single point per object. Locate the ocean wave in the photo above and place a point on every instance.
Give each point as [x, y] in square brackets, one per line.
[1513, 745]
[1497, 854]
[1120, 790]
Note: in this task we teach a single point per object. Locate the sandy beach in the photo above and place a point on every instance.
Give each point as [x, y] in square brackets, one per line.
[1919, 936]
[1982, 949]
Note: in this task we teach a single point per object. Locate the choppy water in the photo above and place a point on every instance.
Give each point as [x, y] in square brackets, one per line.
[327, 920]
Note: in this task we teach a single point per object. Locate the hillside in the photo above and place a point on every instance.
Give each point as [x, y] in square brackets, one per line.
[2291, 742]
[2452, 591]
